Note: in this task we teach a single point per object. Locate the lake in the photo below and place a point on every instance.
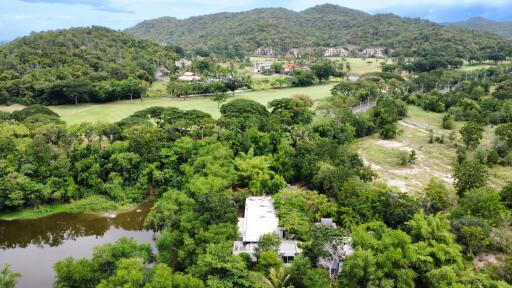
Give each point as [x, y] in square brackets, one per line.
[31, 247]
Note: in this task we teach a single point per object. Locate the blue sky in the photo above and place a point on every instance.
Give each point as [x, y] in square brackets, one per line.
[20, 17]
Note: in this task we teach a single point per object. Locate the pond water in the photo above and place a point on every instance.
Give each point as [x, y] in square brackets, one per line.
[31, 247]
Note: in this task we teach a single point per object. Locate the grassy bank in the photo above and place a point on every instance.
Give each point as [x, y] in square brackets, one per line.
[93, 204]
[115, 111]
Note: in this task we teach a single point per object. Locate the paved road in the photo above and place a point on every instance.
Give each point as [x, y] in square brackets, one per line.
[364, 107]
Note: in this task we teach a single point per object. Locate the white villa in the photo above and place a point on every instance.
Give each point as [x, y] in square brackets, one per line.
[189, 77]
[259, 219]
[373, 53]
[264, 52]
[333, 52]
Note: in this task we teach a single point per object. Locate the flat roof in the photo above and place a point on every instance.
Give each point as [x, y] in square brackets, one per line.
[260, 218]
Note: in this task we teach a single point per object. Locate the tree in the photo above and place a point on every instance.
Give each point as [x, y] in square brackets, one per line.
[302, 78]
[323, 71]
[471, 134]
[8, 278]
[485, 203]
[233, 84]
[292, 111]
[268, 260]
[128, 273]
[80, 273]
[220, 98]
[506, 195]
[504, 133]
[269, 242]
[219, 268]
[278, 278]
[438, 197]
[469, 175]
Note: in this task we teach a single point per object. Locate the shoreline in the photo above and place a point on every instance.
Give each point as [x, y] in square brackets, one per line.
[94, 205]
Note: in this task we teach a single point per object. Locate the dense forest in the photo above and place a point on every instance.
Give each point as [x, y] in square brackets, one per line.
[233, 34]
[79, 65]
[503, 29]
[201, 170]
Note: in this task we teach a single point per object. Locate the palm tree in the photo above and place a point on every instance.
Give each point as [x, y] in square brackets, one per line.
[278, 278]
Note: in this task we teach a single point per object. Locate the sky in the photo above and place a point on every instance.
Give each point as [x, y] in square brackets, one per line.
[21, 17]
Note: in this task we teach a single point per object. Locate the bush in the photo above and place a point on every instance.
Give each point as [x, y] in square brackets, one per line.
[448, 122]
[404, 157]
[31, 111]
[179, 89]
[389, 131]
[267, 260]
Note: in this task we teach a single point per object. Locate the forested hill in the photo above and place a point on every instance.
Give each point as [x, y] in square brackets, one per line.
[503, 29]
[321, 26]
[78, 65]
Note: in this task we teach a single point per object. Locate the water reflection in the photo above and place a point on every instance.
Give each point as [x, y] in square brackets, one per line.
[32, 246]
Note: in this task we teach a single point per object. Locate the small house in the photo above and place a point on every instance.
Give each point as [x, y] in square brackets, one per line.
[260, 218]
[336, 250]
[288, 68]
[262, 66]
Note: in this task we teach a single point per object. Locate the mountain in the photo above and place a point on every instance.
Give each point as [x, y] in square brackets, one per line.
[321, 26]
[92, 64]
[503, 29]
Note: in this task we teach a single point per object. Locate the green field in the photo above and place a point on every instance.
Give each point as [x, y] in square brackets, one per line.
[362, 66]
[115, 111]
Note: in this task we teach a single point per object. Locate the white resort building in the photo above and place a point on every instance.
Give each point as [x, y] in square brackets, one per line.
[259, 219]
[336, 52]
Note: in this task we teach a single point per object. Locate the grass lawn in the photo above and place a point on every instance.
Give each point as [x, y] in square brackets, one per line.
[469, 68]
[362, 66]
[433, 160]
[115, 111]
[255, 59]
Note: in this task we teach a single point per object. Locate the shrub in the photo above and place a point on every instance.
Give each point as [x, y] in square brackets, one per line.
[389, 131]
[448, 122]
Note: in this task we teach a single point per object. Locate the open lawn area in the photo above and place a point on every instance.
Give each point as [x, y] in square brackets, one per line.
[115, 111]
[362, 66]
[433, 160]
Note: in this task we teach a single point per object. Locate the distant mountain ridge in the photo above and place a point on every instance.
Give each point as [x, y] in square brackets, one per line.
[320, 26]
[502, 28]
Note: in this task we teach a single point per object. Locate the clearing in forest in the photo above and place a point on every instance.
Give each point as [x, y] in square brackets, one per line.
[433, 159]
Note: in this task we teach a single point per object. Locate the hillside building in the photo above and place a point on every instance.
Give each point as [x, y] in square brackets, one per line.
[333, 52]
[264, 52]
[373, 53]
[288, 68]
[262, 66]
